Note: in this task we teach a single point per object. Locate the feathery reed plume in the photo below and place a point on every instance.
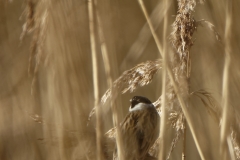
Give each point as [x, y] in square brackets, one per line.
[37, 23]
[140, 75]
[173, 145]
[29, 13]
[176, 119]
[95, 79]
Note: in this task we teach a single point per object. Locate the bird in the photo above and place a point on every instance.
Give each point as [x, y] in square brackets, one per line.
[139, 129]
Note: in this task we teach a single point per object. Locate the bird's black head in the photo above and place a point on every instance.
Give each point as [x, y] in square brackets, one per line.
[139, 99]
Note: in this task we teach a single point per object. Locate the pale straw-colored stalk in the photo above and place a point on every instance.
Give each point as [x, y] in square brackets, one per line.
[184, 141]
[163, 120]
[225, 89]
[170, 74]
[95, 80]
[109, 82]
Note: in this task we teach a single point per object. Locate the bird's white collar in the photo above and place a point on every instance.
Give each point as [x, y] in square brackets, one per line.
[140, 106]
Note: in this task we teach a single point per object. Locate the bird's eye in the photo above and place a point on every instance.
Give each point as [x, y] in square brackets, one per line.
[133, 103]
[139, 99]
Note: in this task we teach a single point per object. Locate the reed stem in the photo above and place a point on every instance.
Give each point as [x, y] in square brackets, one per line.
[95, 80]
[163, 121]
[225, 89]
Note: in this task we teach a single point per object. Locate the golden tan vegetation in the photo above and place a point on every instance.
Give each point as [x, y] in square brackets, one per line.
[59, 57]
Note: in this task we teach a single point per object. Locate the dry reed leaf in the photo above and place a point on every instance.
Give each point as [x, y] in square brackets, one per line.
[214, 110]
[210, 103]
[210, 26]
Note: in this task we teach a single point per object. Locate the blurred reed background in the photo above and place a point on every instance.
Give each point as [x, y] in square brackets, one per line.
[47, 89]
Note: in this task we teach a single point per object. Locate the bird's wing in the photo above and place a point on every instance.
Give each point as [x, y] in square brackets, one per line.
[147, 132]
[129, 136]
[138, 132]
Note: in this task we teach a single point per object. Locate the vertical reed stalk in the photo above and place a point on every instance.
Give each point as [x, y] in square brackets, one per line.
[225, 89]
[95, 80]
[184, 141]
[109, 81]
[163, 120]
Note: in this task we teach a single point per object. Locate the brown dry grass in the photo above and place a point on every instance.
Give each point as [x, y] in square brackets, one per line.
[200, 98]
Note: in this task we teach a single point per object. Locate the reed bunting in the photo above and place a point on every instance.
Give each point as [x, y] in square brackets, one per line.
[139, 129]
